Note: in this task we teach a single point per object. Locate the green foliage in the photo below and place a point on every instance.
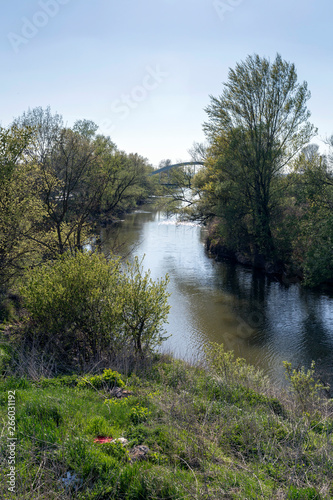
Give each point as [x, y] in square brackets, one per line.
[313, 196]
[5, 358]
[305, 385]
[295, 493]
[224, 364]
[139, 414]
[107, 380]
[99, 426]
[116, 450]
[84, 306]
[258, 124]
[20, 208]
[206, 439]
[43, 412]
[78, 176]
[11, 383]
[145, 308]
[73, 304]
[139, 434]
[128, 180]
[63, 381]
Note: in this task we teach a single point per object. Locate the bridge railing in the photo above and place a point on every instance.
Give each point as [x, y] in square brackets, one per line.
[176, 165]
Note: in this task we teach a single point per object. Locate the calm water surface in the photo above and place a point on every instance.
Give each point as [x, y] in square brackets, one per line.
[260, 319]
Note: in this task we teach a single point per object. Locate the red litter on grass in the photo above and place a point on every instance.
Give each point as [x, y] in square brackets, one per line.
[103, 439]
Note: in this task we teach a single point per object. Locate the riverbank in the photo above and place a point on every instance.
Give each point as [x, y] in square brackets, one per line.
[170, 430]
[284, 273]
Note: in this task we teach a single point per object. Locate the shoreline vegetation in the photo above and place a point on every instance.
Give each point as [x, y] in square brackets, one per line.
[160, 428]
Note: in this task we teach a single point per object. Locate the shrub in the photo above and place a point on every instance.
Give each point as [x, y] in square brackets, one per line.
[304, 385]
[139, 414]
[144, 308]
[107, 380]
[73, 303]
[83, 307]
[233, 370]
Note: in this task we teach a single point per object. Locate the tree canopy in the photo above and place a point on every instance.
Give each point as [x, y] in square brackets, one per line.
[255, 128]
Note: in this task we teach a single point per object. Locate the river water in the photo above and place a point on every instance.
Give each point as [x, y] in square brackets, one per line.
[262, 320]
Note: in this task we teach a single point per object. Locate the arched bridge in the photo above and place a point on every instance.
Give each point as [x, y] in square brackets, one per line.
[176, 165]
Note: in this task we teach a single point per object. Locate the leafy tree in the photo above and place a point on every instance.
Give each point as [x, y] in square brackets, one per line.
[86, 128]
[128, 180]
[70, 182]
[20, 209]
[82, 175]
[313, 193]
[73, 182]
[255, 128]
[46, 128]
[144, 308]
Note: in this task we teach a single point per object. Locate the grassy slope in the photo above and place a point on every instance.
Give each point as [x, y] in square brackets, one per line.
[209, 438]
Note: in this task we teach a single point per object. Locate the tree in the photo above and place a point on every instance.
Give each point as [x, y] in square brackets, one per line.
[86, 128]
[313, 192]
[20, 209]
[74, 306]
[46, 128]
[255, 128]
[73, 182]
[72, 177]
[128, 180]
[198, 151]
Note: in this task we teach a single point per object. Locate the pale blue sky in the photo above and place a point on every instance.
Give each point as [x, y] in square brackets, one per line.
[143, 70]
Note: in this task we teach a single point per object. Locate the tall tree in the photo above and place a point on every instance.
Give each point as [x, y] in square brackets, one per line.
[46, 128]
[73, 182]
[20, 209]
[255, 128]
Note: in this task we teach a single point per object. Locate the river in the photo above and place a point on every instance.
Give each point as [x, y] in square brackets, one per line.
[262, 320]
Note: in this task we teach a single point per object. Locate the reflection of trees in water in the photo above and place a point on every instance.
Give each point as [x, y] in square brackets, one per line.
[123, 238]
[220, 307]
[317, 337]
[251, 288]
[265, 301]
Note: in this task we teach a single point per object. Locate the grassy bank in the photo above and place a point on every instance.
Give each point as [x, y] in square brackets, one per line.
[213, 433]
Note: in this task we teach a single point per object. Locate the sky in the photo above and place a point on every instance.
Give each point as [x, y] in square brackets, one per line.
[143, 70]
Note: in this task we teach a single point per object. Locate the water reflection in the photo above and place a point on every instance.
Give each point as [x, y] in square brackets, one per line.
[260, 319]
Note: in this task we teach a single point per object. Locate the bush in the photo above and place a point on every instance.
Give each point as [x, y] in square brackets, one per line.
[305, 386]
[107, 380]
[145, 307]
[83, 307]
[233, 370]
[139, 414]
[73, 304]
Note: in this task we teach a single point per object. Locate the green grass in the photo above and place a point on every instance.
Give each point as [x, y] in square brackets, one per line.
[210, 437]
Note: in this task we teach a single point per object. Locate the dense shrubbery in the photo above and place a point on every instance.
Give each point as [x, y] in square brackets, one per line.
[84, 307]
